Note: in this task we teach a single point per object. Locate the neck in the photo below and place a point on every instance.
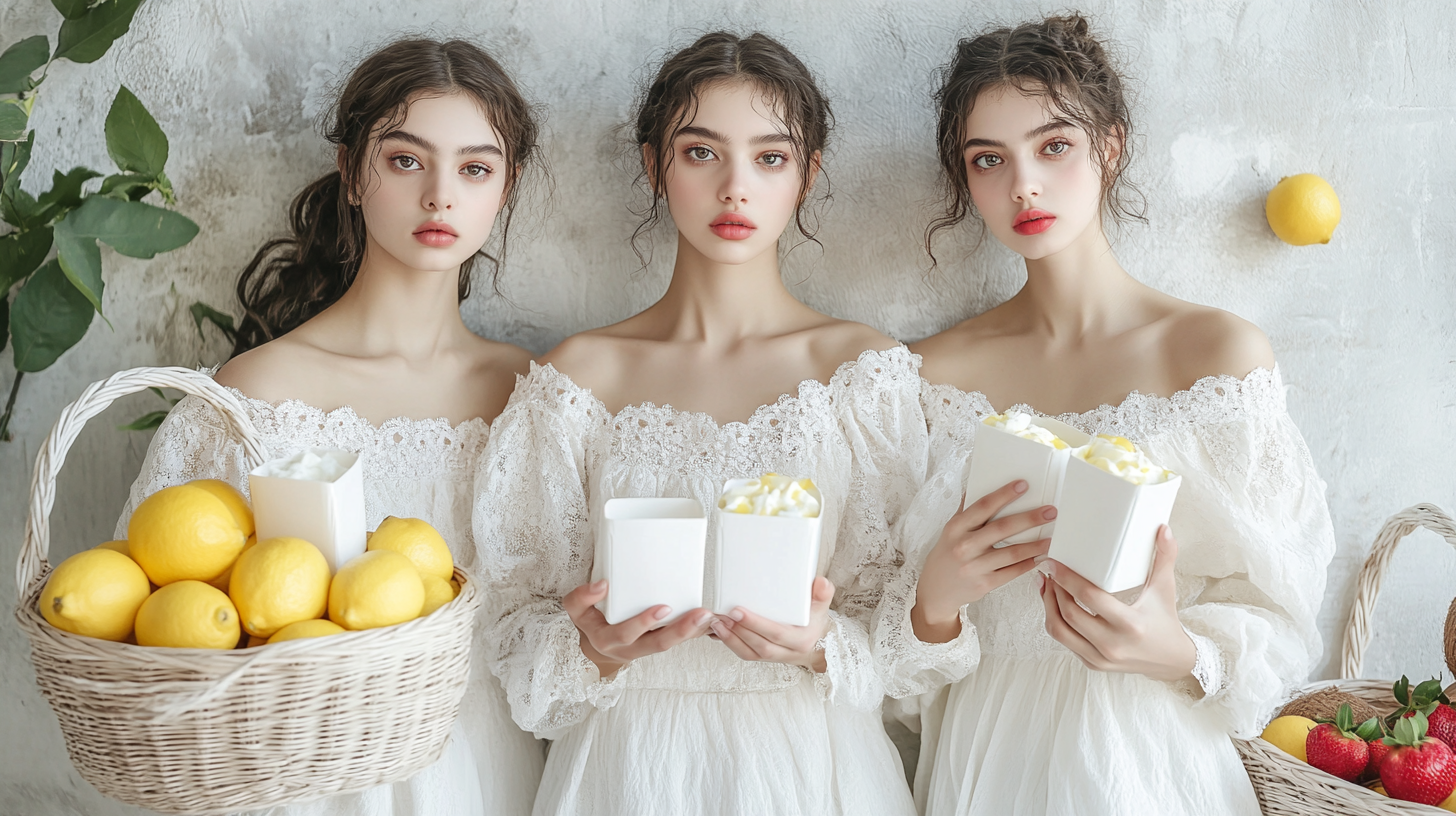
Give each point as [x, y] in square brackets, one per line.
[722, 304]
[1078, 291]
[394, 309]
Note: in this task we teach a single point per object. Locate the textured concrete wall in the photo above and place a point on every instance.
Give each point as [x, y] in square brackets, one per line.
[1230, 97]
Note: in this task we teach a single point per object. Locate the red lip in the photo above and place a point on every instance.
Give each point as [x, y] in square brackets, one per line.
[1033, 222]
[732, 226]
[436, 234]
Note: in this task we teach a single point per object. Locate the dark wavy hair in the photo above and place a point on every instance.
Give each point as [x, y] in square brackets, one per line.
[1058, 59]
[671, 100]
[293, 278]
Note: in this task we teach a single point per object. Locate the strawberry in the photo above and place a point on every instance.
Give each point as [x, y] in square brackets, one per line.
[1378, 751]
[1442, 724]
[1418, 768]
[1423, 698]
[1336, 748]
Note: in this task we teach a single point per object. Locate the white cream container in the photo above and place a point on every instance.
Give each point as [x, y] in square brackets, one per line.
[651, 552]
[1107, 526]
[1001, 457]
[766, 564]
[328, 514]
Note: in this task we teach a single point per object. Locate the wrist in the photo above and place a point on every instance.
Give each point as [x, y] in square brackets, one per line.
[815, 662]
[1183, 659]
[934, 626]
[606, 666]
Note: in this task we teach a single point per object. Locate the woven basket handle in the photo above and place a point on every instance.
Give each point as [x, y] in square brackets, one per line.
[1397, 527]
[94, 400]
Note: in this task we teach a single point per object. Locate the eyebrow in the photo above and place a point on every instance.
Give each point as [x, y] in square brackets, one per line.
[705, 133]
[427, 145]
[1055, 124]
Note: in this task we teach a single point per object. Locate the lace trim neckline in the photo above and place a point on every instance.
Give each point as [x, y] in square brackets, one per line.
[346, 415]
[895, 354]
[1213, 387]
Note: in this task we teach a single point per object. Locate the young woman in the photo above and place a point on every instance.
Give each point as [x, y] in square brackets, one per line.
[726, 376]
[1082, 703]
[352, 338]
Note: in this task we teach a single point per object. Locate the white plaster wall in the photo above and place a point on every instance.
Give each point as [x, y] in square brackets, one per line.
[1230, 97]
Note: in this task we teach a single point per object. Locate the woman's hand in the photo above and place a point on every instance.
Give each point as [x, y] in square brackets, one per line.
[965, 564]
[754, 637]
[1145, 637]
[612, 646]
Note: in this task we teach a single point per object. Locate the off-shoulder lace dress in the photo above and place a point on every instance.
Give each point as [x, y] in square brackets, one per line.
[415, 468]
[696, 730]
[1030, 730]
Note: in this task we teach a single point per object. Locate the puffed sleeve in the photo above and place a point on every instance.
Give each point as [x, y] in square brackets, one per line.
[533, 531]
[909, 666]
[193, 442]
[1255, 542]
[878, 404]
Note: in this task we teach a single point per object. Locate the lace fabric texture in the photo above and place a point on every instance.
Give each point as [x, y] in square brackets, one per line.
[415, 468]
[557, 455]
[1255, 540]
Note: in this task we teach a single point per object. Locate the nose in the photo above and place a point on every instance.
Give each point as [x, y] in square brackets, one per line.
[439, 194]
[1025, 183]
[735, 184]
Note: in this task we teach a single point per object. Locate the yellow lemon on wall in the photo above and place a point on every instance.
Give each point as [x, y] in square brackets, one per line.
[1303, 210]
[1288, 734]
[417, 541]
[188, 615]
[184, 533]
[379, 588]
[279, 581]
[95, 593]
[306, 629]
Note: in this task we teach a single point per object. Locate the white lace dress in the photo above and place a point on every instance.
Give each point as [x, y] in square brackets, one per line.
[1031, 730]
[696, 730]
[415, 468]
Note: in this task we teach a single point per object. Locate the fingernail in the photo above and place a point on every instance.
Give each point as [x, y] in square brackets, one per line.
[703, 618]
[736, 614]
[1048, 568]
[598, 586]
[1051, 513]
[1020, 486]
[662, 613]
[717, 628]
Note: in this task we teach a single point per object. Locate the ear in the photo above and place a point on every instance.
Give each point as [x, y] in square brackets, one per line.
[341, 160]
[1112, 147]
[649, 164]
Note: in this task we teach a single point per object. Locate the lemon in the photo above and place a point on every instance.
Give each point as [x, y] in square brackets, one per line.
[1449, 803]
[1288, 734]
[188, 615]
[95, 593]
[242, 513]
[379, 588]
[277, 582]
[255, 641]
[1303, 210]
[438, 592]
[225, 580]
[115, 546]
[417, 541]
[184, 533]
[306, 629]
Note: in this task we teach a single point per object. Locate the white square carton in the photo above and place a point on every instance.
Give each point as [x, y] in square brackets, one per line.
[1001, 457]
[651, 552]
[1107, 526]
[767, 564]
[328, 515]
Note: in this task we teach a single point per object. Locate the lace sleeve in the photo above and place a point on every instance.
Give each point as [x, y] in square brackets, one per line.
[879, 408]
[1255, 543]
[533, 532]
[192, 443]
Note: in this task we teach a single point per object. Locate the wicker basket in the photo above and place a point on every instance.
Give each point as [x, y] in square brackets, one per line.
[1288, 787]
[208, 732]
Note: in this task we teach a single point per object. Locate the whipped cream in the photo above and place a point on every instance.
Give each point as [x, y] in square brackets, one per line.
[772, 495]
[311, 464]
[1122, 459]
[1024, 426]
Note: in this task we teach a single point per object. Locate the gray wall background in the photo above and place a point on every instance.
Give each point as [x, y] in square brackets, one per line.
[1230, 96]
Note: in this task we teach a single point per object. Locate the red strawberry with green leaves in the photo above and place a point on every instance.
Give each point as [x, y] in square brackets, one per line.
[1339, 748]
[1418, 768]
[1422, 698]
[1442, 724]
[1378, 751]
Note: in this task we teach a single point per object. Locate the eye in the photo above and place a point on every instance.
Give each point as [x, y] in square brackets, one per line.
[774, 159]
[699, 153]
[476, 171]
[986, 161]
[1057, 148]
[405, 162]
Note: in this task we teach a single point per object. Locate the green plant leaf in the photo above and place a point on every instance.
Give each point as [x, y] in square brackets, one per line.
[86, 38]
[4, 322]
[47, 318]
[224, 322]
[21, 253]
[145, 422]
[132, 228]
[65, 192]
[127, 186]
[80, 259]
[12, 121]
[20, 61]
[71, 9]
[133, 139]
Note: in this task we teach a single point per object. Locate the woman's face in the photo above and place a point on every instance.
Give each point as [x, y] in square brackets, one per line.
[1032, 174]
[733, 182]
[434, 185]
